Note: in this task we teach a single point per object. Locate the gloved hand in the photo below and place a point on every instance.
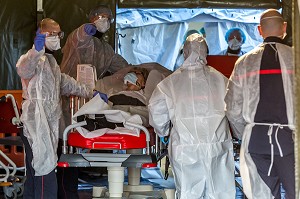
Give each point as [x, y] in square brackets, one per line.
[164, 140]
[90, 29]
[39, 40]
[102, 95]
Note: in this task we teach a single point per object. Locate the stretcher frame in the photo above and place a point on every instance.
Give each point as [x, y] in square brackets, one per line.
[134, 160]
[13, 187]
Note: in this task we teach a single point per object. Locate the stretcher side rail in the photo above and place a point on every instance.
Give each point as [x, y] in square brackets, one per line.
[104, 159]
[11, 158]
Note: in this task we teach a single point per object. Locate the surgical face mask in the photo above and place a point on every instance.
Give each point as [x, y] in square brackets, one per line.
[52, 43]
[131, 78]
[234, 44]
[102, 24]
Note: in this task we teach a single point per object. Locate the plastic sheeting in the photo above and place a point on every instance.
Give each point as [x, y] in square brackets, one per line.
[17, 26]
[156, 35]
[154, 43]
[72, 14]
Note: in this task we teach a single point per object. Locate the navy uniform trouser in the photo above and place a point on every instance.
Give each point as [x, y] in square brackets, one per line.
[282, 173]
[67, 179]
[37, 187]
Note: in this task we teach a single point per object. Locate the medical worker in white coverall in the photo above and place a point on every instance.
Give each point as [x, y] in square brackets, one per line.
[260, 108]
[200, 149]
[43, 84]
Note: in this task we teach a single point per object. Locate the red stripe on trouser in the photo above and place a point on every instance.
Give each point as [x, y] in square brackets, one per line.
[264, 72]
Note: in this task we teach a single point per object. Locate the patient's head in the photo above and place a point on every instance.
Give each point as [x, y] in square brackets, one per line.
[136, 78]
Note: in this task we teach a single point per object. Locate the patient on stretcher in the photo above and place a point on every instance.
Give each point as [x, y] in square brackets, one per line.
[128, 90]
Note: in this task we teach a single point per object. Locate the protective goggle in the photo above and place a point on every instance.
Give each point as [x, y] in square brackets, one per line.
[60, 34]
[111, 20]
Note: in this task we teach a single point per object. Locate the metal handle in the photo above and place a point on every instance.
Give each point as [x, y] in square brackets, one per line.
[66, 132]
[145, 131]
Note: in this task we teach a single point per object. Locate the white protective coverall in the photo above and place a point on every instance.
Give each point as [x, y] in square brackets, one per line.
[241, 103]
[200, 149]
[81, 48]
[43, 84]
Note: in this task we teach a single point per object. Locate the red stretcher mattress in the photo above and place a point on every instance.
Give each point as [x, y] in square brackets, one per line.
[107, 141]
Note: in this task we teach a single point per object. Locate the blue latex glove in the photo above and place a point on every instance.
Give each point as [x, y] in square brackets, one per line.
[164, 140]
[39, 40]
[102, 95]
[90, 29]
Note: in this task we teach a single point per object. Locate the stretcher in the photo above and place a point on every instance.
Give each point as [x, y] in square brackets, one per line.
[115, 163]
[134, 159]
[13, 186]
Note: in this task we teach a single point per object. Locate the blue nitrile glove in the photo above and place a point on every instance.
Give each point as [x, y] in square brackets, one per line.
[102, 95]
[90, 29]
[164, 140]
[39, 40]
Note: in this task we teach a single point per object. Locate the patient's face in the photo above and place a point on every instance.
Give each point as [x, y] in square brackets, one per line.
[140, 83]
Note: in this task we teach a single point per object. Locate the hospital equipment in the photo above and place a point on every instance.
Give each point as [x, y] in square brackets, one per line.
[115, 163]
[13, 186]
[134, 159]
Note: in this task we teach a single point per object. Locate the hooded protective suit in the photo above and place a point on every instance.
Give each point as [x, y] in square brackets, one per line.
[43, 84]
[200, 149]
[242, 99]
[81, 48]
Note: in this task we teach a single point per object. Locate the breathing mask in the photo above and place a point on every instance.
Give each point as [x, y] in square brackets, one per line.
[52, 43]
[234, 44]
[131, 78]
[102, 24]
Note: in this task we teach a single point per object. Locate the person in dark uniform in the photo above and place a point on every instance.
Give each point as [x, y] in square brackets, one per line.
[261, 112]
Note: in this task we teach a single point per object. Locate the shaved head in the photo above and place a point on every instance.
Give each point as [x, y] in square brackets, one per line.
[49, 25]
[272, 24]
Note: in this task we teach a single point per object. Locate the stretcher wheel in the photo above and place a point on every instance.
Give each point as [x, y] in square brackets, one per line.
[12, 195]
[19, 188]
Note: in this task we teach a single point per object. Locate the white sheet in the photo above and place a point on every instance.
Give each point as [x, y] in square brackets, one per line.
[97, 106]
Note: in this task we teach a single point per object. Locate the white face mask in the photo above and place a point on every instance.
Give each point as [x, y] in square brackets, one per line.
[234, 44]
[52, 43]
[102, 24]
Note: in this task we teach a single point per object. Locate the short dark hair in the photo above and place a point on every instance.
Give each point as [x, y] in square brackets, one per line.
[140, 70]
